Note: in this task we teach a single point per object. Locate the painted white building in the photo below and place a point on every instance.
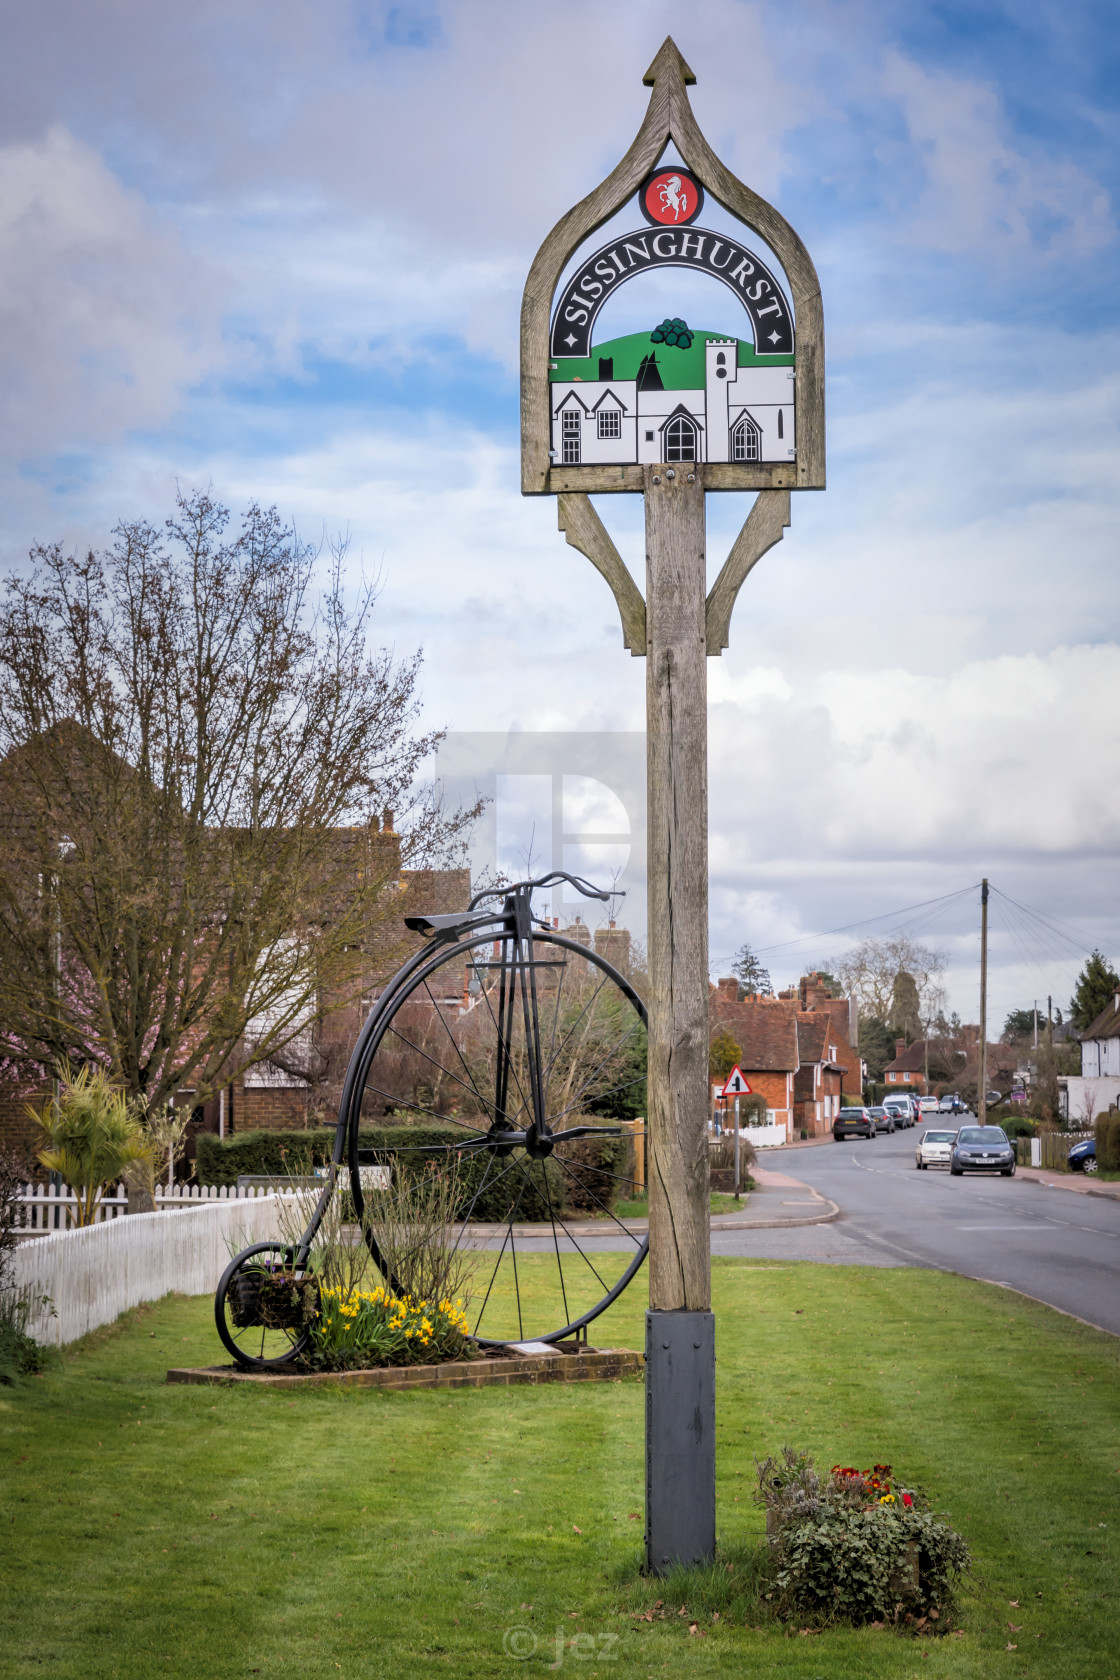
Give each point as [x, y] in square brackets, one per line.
[1099, 1084]
[742, 414]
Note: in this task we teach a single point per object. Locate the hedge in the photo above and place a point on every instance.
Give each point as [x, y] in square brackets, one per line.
[222, 1161]
[1107, 1134]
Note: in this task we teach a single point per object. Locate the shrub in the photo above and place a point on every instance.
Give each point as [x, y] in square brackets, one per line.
[20, 1354]
[867, 1565]
[856, 1545]
[489, 1192]
[91, 1135]
[1107, 1133]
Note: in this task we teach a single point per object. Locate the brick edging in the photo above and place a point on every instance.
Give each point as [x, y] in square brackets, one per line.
[599, 1365]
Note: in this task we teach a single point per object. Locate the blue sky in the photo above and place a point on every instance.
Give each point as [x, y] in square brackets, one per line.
[279, 246]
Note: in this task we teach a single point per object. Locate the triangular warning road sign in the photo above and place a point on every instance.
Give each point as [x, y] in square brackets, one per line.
[736, 1085]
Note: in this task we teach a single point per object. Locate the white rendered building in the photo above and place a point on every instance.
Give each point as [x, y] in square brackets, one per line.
[742, 414]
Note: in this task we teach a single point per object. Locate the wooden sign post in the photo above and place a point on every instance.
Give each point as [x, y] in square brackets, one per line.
[672, 414]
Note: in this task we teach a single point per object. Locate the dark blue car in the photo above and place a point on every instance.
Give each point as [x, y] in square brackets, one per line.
[1083, 1156]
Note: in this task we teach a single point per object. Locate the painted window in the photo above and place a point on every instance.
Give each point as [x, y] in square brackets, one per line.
[680, 439]
[570, 437]
[610, 423]
[781, 424]
[746, 440]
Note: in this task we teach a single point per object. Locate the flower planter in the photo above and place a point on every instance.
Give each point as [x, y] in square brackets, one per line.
[273, 1300]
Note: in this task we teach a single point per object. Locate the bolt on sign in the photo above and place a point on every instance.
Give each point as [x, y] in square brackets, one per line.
[728, 399]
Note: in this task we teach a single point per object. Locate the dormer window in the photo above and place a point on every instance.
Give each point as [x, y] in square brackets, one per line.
[610, 423]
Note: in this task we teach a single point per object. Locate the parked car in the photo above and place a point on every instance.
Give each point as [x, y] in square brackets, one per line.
[905, 1108]
[853, 1122]
[992, 1098]
[1083, 1156]
[982, 1149]
[927, 1105]
[950, 1104]
[934, 1149]
[885, 1119]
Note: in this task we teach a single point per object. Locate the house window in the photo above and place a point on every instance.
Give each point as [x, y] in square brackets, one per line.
[746, 441]
[649, 437]
[570, 437]
[610, 423]
[891, 1077]
[781, 424]
[680, 439]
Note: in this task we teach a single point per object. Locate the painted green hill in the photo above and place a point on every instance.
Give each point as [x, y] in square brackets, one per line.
[680, 370]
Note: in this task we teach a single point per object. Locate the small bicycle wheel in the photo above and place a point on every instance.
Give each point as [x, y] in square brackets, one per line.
[532, 1050]
[265, 1306]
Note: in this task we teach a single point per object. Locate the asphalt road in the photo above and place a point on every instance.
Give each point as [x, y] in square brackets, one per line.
[1057, 1245]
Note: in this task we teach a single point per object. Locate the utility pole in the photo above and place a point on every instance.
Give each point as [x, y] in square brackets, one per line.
[982, 1100]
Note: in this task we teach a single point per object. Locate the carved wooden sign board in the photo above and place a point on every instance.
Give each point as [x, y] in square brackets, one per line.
[739, 398]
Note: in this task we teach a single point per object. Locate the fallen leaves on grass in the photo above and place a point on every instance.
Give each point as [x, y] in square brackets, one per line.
[576, 1530]
[1010, 1647]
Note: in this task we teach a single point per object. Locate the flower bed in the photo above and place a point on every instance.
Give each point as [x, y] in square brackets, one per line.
[857, 1546]
[360, 1329]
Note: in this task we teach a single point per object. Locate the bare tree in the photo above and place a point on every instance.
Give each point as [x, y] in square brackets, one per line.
[869, 972]
[198, 746]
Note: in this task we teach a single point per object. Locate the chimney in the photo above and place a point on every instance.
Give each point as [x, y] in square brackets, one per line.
[387, 821]
[729, 988]
[899, 1046]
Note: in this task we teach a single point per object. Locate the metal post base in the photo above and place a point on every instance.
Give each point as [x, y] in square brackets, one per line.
[680, 1439]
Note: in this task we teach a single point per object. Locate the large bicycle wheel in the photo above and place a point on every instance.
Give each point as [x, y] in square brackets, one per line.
[514, 1059]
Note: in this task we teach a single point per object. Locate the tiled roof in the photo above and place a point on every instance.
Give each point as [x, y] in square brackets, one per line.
[1106, 1025]
[766, 1032]
[912, 1059]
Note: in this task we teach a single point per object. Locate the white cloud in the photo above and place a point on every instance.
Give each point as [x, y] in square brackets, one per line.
[103, 318]
[981, 192]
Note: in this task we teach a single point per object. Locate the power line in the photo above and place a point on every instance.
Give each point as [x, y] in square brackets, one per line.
[933, 907]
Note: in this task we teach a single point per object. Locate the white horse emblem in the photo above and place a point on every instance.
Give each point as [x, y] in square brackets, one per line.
[674, 196]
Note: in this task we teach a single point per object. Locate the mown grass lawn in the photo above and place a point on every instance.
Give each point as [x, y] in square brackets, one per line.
[156, 1530]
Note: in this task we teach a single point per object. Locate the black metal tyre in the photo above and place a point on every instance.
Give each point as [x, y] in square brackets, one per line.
[258, 1346]
[431, 1053]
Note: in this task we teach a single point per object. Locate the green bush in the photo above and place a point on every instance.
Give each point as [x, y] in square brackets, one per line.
[489, 1195]
[1107, 1133]
[20, 1354]
[859, 1565]
[854, 1546]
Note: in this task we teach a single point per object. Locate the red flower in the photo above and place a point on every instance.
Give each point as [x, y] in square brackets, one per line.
[907, 1499]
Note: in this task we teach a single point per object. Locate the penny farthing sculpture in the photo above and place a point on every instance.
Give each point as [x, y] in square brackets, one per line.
[512, 1053]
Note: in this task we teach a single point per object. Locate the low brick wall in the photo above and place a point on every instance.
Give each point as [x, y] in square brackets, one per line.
[592, 1365]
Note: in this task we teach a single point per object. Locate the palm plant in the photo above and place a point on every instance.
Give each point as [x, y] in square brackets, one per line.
[91, 1136]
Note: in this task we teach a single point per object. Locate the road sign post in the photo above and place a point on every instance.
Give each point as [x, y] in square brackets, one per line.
[672, 414]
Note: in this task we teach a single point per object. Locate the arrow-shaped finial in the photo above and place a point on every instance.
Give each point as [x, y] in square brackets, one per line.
[668, 63]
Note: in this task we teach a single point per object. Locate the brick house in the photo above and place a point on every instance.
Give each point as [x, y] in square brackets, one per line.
[797, 1049]
[269, 1096]
[818, 1086]
[907, 1069]
[766, 1031]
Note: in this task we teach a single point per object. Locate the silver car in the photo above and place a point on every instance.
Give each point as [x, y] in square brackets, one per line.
[935, 1149]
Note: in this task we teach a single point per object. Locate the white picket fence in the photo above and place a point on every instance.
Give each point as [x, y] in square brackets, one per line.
[50, 1207]
[77, 1280]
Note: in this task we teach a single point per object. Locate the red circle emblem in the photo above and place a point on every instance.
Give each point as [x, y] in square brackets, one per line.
[671, 198]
